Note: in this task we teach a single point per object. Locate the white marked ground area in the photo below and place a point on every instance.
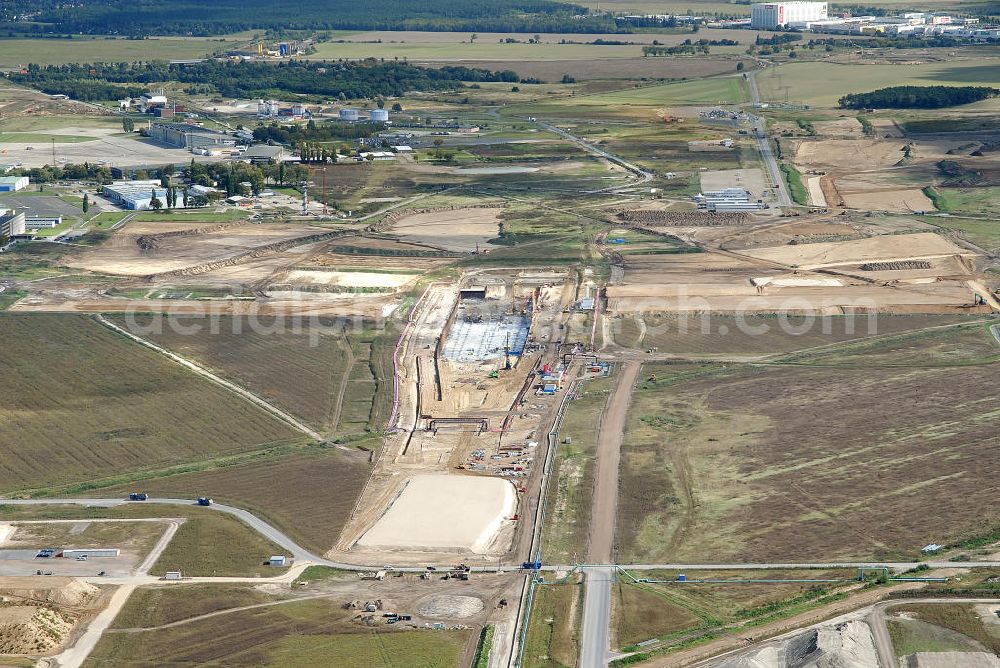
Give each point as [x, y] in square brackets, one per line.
[485, 340]
[445, 513]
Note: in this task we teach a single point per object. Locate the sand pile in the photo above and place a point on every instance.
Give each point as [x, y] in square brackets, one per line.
[29, 629]
[846, 645]
[54, 590]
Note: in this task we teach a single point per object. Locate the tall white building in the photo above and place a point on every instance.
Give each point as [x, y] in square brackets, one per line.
[770, 15]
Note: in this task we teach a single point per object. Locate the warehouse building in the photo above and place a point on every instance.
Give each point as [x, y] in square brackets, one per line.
[135, 195]
[9, 184]
[189, 136]
[771, 15]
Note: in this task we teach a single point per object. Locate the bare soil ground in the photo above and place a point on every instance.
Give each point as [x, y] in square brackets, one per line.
[750, 280]
[453, 230]
[882, 248]
[121, 254]
[39, 615]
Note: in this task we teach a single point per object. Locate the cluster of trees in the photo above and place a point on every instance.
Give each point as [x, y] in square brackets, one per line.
[687, 47]
[906, 42]
[314, 132]
[773, 40]
[229, 176]
[320, 80]
[917, 97]
[196, 17]
[67, 172]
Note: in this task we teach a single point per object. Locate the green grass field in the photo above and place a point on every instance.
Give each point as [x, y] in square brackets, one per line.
[153, 606]
[213, 543]
[197, 216]
[553, 636]
[822, 84]
[642, 101]
[15, 52]
[84, 403]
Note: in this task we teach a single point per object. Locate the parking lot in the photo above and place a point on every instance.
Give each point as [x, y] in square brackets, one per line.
[25, 562]
[44, 206]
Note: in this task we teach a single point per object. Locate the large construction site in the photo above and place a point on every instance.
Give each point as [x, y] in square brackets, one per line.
[469, 414]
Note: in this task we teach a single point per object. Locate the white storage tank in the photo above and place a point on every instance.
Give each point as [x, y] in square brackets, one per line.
[378, 116]
[349, 114]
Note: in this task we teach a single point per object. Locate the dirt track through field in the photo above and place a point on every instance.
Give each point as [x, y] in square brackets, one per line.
[609, 442]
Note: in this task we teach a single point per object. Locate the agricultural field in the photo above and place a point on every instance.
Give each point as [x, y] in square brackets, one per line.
[843, 454]
[302, 633]
[553, 636]
[86, 403]
[291, 491]
[821, 84]
[324, 371]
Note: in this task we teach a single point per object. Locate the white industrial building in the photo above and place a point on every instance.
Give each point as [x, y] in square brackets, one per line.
[771, 15]
[135, 195]
[9, 184]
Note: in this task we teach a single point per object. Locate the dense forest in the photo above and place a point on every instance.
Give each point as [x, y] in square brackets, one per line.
[312, 80]
[917, 97]
[196, 17]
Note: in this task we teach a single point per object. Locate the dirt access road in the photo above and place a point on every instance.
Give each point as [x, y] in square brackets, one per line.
[597, 602]
[609, 441]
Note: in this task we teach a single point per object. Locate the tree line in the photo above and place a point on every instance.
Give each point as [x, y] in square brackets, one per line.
[687, 47]
[917, 97]
[196, 17]
[313, 79]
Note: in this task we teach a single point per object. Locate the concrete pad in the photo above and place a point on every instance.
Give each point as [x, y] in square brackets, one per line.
[445, 513]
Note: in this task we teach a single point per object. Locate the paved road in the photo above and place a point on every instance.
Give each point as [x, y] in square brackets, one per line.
[764, 146]
[594, 641]
[644, 176]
